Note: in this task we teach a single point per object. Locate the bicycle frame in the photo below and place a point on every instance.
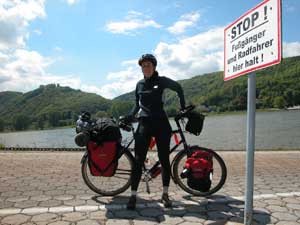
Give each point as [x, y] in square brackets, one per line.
[177, 144]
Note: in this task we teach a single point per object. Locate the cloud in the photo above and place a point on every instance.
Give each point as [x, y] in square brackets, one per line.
[22, 69]
[291, 49]
[121, 82]
[14, 18]
[132, 22]
[186, 21]
[72, 2]
[191, 56]
[26, 70]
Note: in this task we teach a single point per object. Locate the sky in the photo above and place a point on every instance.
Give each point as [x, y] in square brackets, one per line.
[94, 45]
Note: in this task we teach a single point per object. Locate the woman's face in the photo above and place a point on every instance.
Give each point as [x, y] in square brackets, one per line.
[148, 69]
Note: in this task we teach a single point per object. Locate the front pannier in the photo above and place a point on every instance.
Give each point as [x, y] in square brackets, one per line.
[195, 123]
[103, 158]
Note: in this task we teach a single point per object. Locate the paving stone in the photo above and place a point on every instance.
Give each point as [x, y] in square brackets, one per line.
[217, 207]
[75, 216]
[40, 198]
[291, 200]
[126, 214]
[144, 221]
[276, 208]
[59, 223]
[287, 223]
[11, 193]
[48, 217]
[89, 222]
[262, 218]
[171, 220]
[218, 215]
[176, 211]
[63, 197]
[32, 193]
[26, 204]
[93, 202]
[17, 198]
[75, 192]
[297, 213]
[15, 219]
[50, 203]
[117, 222]
[196, 208]
[274, 202]
[54, 192]
[100, 214]
[215, 222]
[191, 223]
[74, 202]
[284, 216]
[194, 217]
[84, 197]
[151, 212]
[4, 205]
[293, 206]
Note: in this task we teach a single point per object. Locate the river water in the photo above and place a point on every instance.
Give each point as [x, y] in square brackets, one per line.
[274, 130]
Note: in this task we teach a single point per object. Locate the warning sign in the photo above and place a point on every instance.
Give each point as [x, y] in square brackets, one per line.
[253, 41]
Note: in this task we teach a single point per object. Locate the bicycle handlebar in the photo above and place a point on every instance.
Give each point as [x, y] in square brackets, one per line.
[184, 112]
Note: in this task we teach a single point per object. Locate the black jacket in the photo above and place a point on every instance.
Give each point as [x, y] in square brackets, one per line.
[149, 96]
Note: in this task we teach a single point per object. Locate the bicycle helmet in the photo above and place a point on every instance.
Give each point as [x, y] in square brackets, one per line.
[148, 57]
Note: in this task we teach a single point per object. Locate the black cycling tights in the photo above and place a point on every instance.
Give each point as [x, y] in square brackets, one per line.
[161, 130]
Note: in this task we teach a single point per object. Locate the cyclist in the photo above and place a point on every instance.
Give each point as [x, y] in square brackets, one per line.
[153, 122]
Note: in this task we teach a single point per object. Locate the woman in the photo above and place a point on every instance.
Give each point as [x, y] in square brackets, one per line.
[153, 122]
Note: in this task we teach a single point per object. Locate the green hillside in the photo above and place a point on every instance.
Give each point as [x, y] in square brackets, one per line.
[47, 106]
[277, 87]
[53, 106]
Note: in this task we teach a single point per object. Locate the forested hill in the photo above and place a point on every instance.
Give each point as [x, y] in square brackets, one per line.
[52, 105]
[47, 106]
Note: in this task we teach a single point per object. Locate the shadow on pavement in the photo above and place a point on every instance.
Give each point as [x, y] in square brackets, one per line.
[196, 211]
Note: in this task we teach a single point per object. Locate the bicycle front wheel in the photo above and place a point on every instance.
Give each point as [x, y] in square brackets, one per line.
[217, 176]
[110, 186]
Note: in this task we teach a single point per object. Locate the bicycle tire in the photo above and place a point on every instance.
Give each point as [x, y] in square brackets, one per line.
[218, 166]
[110, 186]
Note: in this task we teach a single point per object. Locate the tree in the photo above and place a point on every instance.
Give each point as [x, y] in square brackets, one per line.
[279, 102]
[53, 118]
[1, 125]
[21, 122]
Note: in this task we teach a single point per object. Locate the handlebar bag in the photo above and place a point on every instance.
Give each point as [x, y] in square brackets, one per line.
[195, 123]
[200, 167]
[103, 158]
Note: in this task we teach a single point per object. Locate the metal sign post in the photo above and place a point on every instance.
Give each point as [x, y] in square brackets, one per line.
[252, 42]
[251, 107]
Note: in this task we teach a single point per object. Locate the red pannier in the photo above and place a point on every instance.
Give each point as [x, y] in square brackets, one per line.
[103, 158]
[199, 168]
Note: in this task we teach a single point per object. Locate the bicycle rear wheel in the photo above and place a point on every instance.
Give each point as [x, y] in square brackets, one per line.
[110, 186]
[217, 177]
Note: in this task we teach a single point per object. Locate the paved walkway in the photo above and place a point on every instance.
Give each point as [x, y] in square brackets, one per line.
[47, 188]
